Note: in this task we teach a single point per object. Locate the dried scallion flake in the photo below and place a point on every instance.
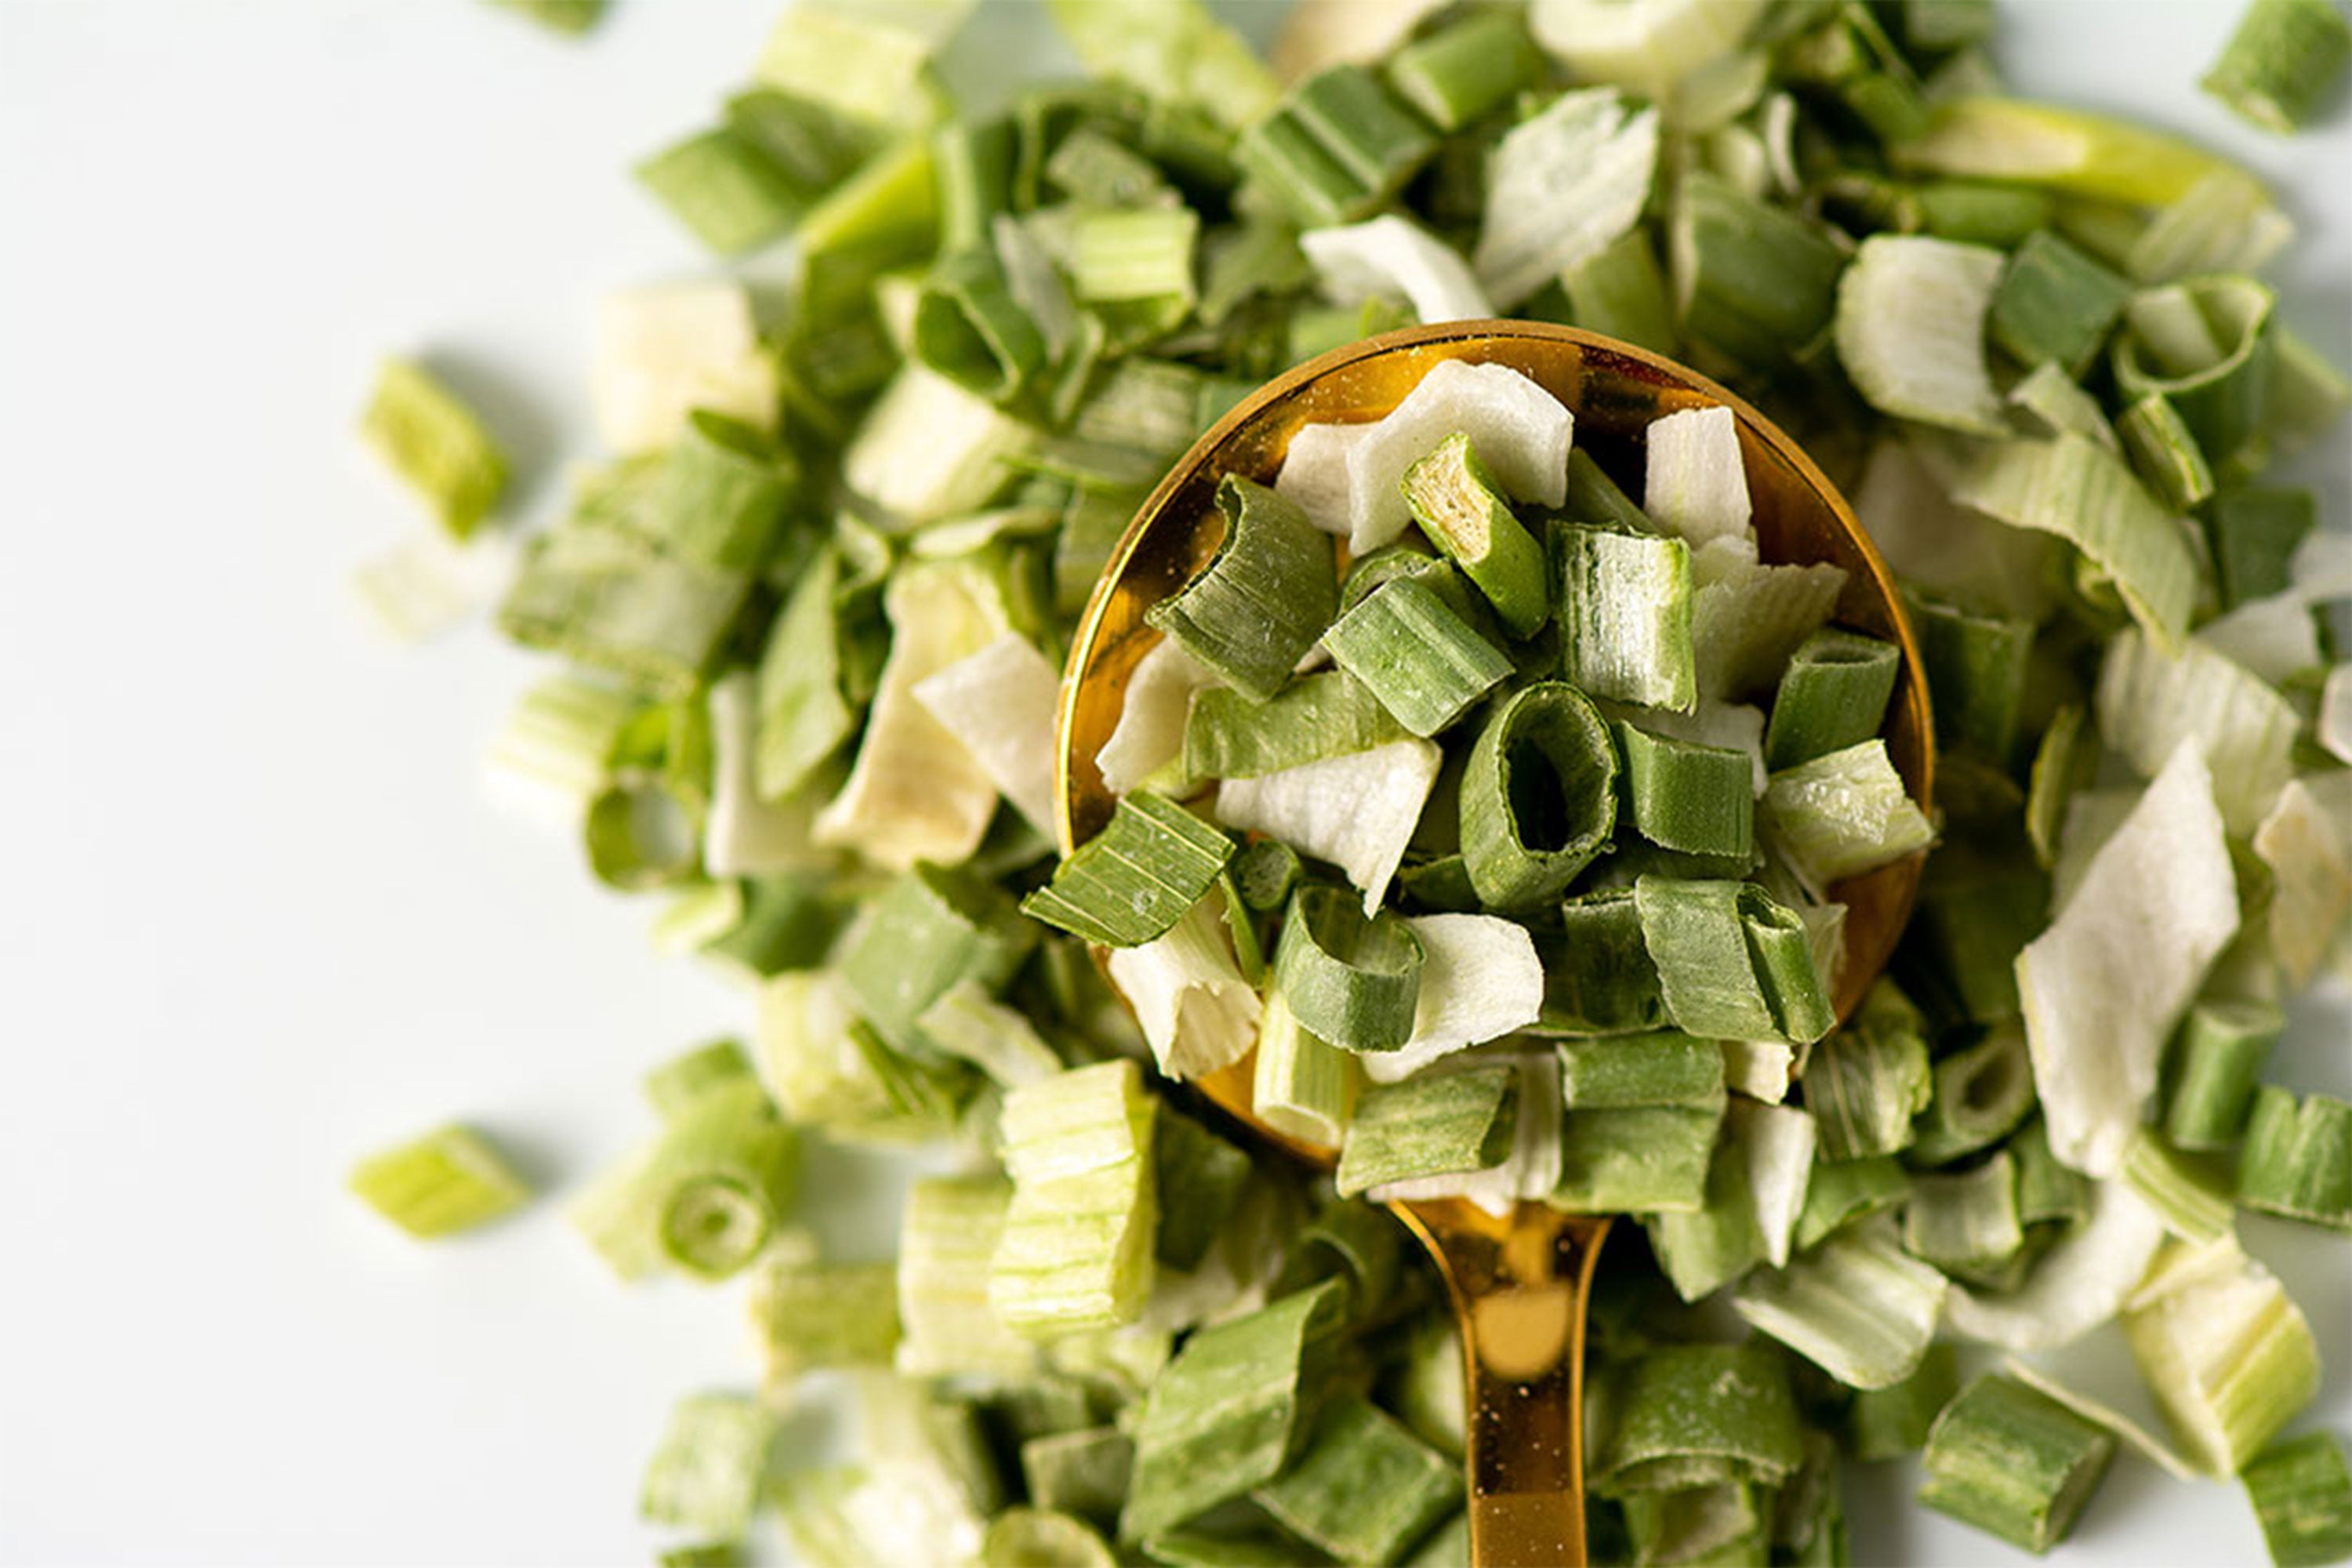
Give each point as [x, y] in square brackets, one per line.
[2282, 63]
[2014, 1462]
[1697, 1415]
[1539, 796]
[1432, 1125]
[1858, 1306]
[1134, 879]
[1687, 797]
[2217, 1061]
[1364, 1489]
[2302, 1494]
[1410, 650]
[1460, 506]
[710, 1470]
[2297, 1158]
[1078, 1246]
[2054, 303]
[436, 444]
[1625, 616]
[1264, 597]
[449, 1180]
[1350, 978]
[1833, 694]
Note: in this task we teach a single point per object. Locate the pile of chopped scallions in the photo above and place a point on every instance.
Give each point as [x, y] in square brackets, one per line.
[1510, 849]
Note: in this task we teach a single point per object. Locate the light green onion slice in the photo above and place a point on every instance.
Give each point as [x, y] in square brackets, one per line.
[948, 1236]
[2228, 1354]
[826, 1064]
[1857, 1306]
[2014, 1462]
[1755, 280]
[1422, 661]
[1196, 1010]
[1833, 695]
[1911, 326]
[1134, 879]
[803, 714]
[1082, 1472]
[1843, 813]
[1136, 260]
[970, 327]
[929, 450]
[1888, 1423]
[2207, 345]
[2284, 60]
[2276, 638]
[1865, 1083]
[1357, 812]
[1685, 797]
[609, 601]
[1625, 1071]
[1434, 1125]
[806, 1315]
[704, 1196]
[927, 931]
[1454, 500]
[2102, 991]
[1350, 977]
[428, 584]
[1625, 605]
[1696, 1414]
[1337, 148]
[2226, 223]
[436, 444]
[1252, 612]
[1177, 52]
[1646, 1160]
[451, 1179]
[687, 1077]
[2217, 1060]
[1152, 720]
[2149, 705]
[913, 794]
[1981, 1092]
[709, 1473]
[1388, 255]
[787, 922]
[1966, 1225]
[1695, 484]
[2301, 1491]
[1747, 619]
[1562, 185]
[1459, 72]
[1704, 1248]
[1520, 432]
[1301, 1085]
[1842, 1193]
[2053, 401]
[1725, 965]
[1539, 796]
[1222, 1420]
[743, 834]
[1330, 713]
[1602, 980]
[1078, 1246]
[2062, 150]
[1364, 1489]
[1034, 1538]
[2083, 493]
[2297, 1159]
[2303, 841]
[723, 185]
[2193, 1203]
[999, 1040]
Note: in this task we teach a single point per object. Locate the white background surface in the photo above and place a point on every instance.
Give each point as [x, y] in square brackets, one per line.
[260, 915]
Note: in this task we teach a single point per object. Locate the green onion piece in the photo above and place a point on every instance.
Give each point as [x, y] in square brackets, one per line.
[2302, 843]
[451, 1179]
[1077, 1249]
[2077, 489]
[1754, 280]
[2228, 1354]
[1350, 977]
[1264, 597]
[1316, 718]
[1698, 1524]
[725, 188]
[828, 1067]
[929, 930]
[1221, 1420]
[1625, 616]
[2001, 217]
[1966, 1225]
[804, 715]
[2054, 303]
[1302, 1085]
[685, 1077]
[1976, 666]
[1196, 1010]
[2301, 1491]
[640, 834]
[972, 163]
[1650, 1159]
[1340, 145]
[1560, 186]
[948, 1235]
[704, 1196]
[1843, 813]
[565, 734]
[2192, 1204]
[1222, 1548]
[806, 1316]
[1458, 73]
[719, 495]
[970, 327]
[1093, 170]
[1696, 1414]
[1686, 798]
[1602, 980]
[1460, 506]
[1844, 1192]
[1704, 1248]
[1201, 1179]
[1727, 964]
[1620, 292]
[1521, 432]
[2062, 150]
[1590, 496]
[2148, 704]
[873, 67]
[2206, 344]
[997, 1039]
[1083, 1472]
[1625, 1071]
[2164, 453]
[1178, 53]
[813, 146]
[930, 450]
[1981, 1093]
[2217, 1059]
[1434, 1125]
[1539, 796]
[609, 602]
[2013, 1462]
[1858, 1307]
[2297, 1159]
[2254, 534]
[2046, 1190]
[438, 446]
[1833, 694]
[1888, 1423]
[1134, 879]
[2226, 223]
[2283, 62]
[709, 1472]
[1364, 1489]
[571, 18]
[1034, 1538]
[1265, 872]
[1423, 662]
[1747, 619]
[1865, 1083]
[2053, 401]
[2061, 764]
[1140, 257]
[1910, 330]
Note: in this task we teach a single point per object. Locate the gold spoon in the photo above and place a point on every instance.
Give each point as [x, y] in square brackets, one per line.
[1519, 1282]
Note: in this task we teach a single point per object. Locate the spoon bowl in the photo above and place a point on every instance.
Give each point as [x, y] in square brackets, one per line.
[1519, 1282]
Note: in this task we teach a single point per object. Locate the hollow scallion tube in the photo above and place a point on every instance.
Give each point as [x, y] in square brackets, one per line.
[2297, 1158]
[1686, 798]
[1459, 72]
[1460, 506]
[1539, 796]
[1833, 695]
[2014, 1462]
[1412, 651]
[1337, 147]
[970, 328]
[2282, 62]
[451, 1179]
[1265, 596]
[1625, 616]
[1602, 980]
[1981, 1092]
[1350, 978]
[2217, 1058]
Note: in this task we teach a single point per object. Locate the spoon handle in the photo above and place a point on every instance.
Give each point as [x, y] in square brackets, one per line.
[1519, 1287]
